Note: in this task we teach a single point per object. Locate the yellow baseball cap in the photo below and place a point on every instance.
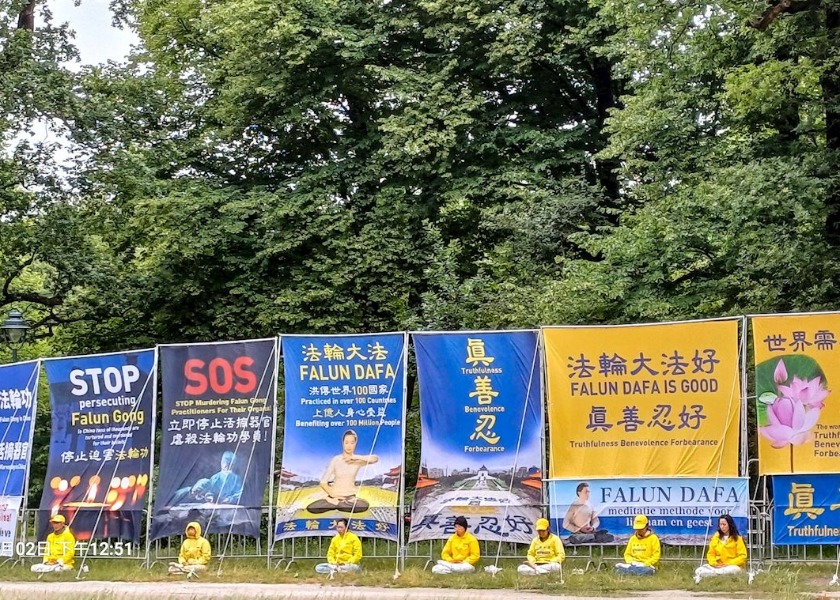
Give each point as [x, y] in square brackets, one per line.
[542, 524]
[640, 522]
[58, 519]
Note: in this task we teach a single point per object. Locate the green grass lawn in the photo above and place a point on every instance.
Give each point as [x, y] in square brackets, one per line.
[780, 582]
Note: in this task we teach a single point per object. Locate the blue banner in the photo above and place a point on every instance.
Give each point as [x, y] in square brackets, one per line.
[481, 423]
[682, 511]
[806, 509]
[100, 444]
[18, 403]
[344, 432]
[218, 435]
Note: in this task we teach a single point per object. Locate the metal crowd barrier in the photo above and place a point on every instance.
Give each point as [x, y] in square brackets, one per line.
[764, 555]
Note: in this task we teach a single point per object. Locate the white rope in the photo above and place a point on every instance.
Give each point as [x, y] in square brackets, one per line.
[373, 448]
[742, 348]
[268, 366]
[525, 406]
[125, 427]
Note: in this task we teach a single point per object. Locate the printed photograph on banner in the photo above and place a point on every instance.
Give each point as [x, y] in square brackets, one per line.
[18, 404]
[633, 401]
[806, 509]
[343, 437]
[681, 511]
[481, 424]
[797, 363]
[100, 443]
[218, 430]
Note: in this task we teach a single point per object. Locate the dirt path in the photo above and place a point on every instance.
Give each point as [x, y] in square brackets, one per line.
[91, 590]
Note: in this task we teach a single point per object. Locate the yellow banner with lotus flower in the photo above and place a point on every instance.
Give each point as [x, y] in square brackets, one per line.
[797, 360]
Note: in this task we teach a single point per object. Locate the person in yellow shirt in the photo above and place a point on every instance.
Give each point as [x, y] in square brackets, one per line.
[195, 552]
[344, 553]
[641, 557]
[61, 548]
[461, 553]
[727, 552]
[546, 553]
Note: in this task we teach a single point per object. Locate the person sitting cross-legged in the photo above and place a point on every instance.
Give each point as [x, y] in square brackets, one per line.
[461, 552]
[195, 552]
[643, 550]
[61, 548]
[727, 552]
[344, 553]
[546, 553]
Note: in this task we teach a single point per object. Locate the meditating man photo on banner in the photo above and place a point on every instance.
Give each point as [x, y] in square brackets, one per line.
[61, 548]
[339, 480]
[582, 522]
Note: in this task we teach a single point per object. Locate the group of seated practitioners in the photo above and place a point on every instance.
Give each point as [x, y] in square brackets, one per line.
[727, 554]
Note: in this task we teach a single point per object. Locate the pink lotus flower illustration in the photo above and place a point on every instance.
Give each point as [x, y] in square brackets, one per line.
[790, 423]
[809, 392]
[791, 407]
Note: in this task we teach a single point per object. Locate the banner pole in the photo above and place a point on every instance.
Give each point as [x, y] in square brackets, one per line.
[744, 400]
[28, 469]
[149, 500]
[401, 548]
[543, 404]
[270, 532]
[21, 518]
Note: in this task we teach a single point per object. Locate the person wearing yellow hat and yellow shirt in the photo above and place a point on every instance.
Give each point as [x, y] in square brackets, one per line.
[641, 557]
[461, 552]
[727, 551]
[546, 553]
[61, 548]
[344, 553]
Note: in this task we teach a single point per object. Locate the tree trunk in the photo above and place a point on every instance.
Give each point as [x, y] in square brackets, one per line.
[830, 83]
[26, 17]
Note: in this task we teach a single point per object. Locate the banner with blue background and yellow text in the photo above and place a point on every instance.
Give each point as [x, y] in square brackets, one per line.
[644, 400]
[481, 425]
[344, 434]
[806, 509]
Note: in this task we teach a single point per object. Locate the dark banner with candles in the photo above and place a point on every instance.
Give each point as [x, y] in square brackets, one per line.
[100, 444]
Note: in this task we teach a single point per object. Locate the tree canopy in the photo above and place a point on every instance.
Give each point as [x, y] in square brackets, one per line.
[259, 167]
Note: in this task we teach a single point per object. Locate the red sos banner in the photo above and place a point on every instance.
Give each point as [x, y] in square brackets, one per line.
[221, 375]
[218, 432]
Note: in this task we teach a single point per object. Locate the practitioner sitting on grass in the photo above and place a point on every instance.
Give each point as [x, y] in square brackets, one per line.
[344, 553]
[195, 552]
[643, 551]
[461, 553]
[727, 552]
[61, 548]
[546, 554]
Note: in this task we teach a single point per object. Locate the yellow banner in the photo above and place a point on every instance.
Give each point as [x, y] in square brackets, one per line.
[797, 364]
[648, 400]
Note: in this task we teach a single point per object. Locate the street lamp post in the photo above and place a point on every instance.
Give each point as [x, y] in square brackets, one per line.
[14, 330]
